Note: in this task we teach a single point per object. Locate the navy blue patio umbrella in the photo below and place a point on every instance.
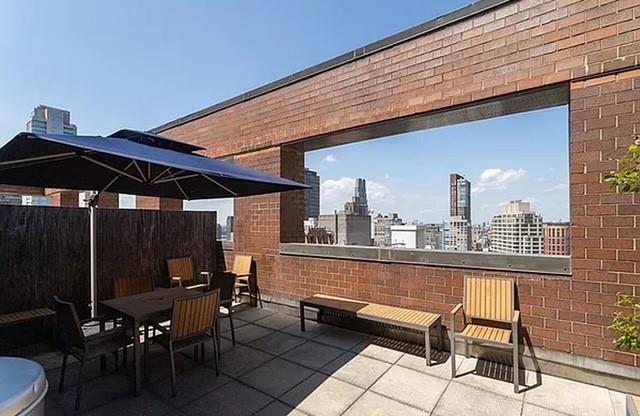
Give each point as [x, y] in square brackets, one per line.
[129, 162]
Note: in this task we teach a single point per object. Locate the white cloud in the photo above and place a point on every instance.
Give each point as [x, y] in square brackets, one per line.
[497, 179]
[330, 159]
[557, 187]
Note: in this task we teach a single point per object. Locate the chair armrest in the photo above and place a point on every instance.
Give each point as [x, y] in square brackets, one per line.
[156, 325]
[97, 319]
[176, 280]
[516, 317]
[456, 309]
[207, 276]
[242, 275]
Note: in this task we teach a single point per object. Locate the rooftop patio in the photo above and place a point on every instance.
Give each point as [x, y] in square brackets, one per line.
[275, 369]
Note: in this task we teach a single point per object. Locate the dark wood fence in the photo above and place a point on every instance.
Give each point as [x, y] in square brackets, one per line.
[44, 251]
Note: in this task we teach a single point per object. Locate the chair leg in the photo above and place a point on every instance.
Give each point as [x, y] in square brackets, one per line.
[216, 355]
[516, 372]
[202, 351]
[233, 331]
[124, 358]
[63, 370]
[466, 348]
[145, 353]
[259, 296]
[195, 353]
[173, 371]
[79, 387]
[452, 341]
[115, 359]
[302, 317]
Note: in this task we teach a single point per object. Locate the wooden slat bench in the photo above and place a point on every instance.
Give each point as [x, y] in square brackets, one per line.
[17, 318]
[407, 318]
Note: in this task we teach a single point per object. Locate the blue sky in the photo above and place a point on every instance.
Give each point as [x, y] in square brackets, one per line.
[139, 64]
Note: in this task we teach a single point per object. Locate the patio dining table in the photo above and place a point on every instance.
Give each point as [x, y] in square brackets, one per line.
[140, 308]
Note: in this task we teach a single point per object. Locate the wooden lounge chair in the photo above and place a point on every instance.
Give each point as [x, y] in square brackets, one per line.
[83, 347]
[489, 317]
[193, 321]
[182, 273]
[246, 279]
[225, 282]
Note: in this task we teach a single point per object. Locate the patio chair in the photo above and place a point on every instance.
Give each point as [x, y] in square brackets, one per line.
[83, 347]
[246, 278]
[122, 287]
[131, 286]
[489, 317]
[193, 321]
[182, 273]
[225, 281]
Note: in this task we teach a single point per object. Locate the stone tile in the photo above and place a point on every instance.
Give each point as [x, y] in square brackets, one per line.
[232, 399]
[341, 338]
[463, 400]
[370, 349]
[570, 397]
[313, 355]
[241, 360]
[248, 333]
[277, 408]
[277, 343]
[313, 329]
[418, 363]
[190, 385]
[252, 314]
[320, 395]
[225, 326]
[493, 377]
[619, 403]
[95, 393]
[158, 363]
[276, 377]
[402, 384]
[372, 404]
[277, 321]
[356, 369]
[532, 410]
[146, 405]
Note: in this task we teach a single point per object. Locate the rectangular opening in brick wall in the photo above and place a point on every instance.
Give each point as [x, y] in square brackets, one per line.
[490, 180]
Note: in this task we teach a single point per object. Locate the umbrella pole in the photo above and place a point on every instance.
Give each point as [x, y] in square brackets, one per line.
[93, 205]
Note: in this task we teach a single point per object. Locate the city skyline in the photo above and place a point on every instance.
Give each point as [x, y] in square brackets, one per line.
[505, 159]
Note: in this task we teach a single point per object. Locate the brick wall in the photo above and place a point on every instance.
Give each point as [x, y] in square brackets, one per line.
[592, 45]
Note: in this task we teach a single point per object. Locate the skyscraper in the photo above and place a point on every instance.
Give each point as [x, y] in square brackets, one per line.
[311, 195]
[51, 120]
[517, 230]
[459, 197]
[459, 236]
[360, 192]
[358, 204]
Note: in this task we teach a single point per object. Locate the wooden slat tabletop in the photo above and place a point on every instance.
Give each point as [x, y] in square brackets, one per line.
[147, 305]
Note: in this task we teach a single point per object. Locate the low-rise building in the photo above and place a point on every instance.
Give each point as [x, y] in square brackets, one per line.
[408, 236]
[382, 229]
[556, 238]
[348, 229]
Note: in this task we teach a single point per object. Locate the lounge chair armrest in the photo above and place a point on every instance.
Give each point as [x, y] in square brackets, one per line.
[516, 317]
[456, 309]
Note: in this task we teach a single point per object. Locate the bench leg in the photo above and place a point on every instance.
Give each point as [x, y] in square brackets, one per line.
[302, 328]
[427, 347]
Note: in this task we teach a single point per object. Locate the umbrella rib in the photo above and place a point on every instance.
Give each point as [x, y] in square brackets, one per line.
[181, 190]
[179, 178]
[111, 168]
[144, 178]
[160, 175]
[219, 184]
[11, 164]
[115, 178]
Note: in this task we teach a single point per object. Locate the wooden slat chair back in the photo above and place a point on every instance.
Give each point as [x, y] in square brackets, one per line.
[194, 315]
[68, 324]
[181, 270]
[489, 299]
[488, 310]
[128, 287]
[242, 265]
